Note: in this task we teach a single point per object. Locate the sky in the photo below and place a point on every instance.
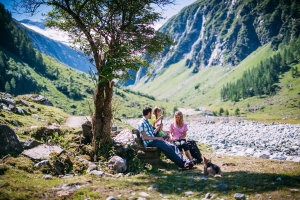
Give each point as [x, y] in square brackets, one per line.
[167, 13]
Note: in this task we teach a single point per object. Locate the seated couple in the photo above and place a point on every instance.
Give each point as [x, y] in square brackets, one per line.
[147, 132]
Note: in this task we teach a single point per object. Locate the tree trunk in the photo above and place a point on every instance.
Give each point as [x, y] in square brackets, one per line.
[102, 118]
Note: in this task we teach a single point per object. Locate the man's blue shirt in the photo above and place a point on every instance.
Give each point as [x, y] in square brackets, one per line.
[145, 126]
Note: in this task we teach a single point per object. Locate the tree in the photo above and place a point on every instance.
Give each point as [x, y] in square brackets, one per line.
[237, 112]
[226, 113]
[221, 111]
[7, 87]
[115, 34]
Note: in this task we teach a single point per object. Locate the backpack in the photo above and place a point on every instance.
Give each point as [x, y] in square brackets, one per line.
[194, 150]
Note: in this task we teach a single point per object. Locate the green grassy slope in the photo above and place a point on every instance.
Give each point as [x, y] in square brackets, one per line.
[178, 85]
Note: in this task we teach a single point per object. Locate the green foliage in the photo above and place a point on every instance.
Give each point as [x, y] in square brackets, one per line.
[175, 109]
[237, 112]
[226, 113]
[221, 111]
[214, 113]
[139, 94]
[295, 72]
[261, 80]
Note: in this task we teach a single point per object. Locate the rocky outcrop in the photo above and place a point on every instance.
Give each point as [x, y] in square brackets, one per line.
[42, 152]
[9, 142]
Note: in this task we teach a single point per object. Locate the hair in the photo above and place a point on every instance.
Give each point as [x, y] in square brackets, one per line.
[156, 110]
[181, 122]
[146, 110]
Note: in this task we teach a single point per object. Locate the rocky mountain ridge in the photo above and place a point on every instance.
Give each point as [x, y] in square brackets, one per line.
[220, 33]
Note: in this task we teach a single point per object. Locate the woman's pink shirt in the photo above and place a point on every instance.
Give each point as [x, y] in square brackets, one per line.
[178, 131]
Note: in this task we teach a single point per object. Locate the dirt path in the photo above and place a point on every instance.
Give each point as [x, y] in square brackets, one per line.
[189, 111]
[76, 121]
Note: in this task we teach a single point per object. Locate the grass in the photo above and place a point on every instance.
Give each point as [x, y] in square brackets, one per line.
[254, 177]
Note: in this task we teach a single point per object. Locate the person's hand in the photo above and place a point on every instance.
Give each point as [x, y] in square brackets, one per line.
[160, 138]
[157, 129]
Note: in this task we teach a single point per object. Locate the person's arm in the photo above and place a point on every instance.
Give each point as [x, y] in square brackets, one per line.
[160, 117]
[146, 137]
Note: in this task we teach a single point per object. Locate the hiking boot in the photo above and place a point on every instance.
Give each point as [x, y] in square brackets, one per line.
[188, 165]
[194, 161]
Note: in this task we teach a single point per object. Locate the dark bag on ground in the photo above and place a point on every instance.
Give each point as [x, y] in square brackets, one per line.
[195, 152]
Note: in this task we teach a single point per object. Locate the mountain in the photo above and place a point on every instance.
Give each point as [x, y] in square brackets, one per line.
[234, 55]
[54, 48]
[220, 33]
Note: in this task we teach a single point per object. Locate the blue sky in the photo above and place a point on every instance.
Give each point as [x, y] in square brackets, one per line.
[168, 12]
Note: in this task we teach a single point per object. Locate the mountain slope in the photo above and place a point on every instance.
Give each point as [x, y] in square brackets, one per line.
[56, 49]
[220, 33]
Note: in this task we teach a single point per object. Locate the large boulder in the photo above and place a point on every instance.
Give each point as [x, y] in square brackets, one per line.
[125, 137]
[117, 164]
[42, 152]
[42, 100]
[9, 142]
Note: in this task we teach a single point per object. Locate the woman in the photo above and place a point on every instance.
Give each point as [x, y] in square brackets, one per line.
[178, 131]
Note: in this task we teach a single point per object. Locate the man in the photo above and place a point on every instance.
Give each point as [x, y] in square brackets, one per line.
[147, 132]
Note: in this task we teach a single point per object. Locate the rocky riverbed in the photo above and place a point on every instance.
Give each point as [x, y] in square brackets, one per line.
[277, 141]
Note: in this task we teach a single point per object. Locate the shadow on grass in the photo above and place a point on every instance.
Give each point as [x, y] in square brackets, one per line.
[249, 183]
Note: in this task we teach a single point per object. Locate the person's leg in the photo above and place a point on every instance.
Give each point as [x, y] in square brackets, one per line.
[187, 151]
[188, 154]
[171, 152]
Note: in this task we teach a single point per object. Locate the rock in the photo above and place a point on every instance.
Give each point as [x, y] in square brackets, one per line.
[141, 198]
[42, 152]
[97, 173]
[30, 144]
[294, 190]
[5, 158]
[114, 128]
[263, 154]
[43, 100]
[91, 167]
[144, 194]
[117, 164]
[239, 196]
[296, 159]
[9, 142]
[47, 176]
[207, 196]
[189, 193]
[119, 175]
[129, 174]
[87, 130]
[43, 162]
[249, 151]
[36, 117]
[9, 101]
[125, 137]
[111, 198]
[24, 103]
[278, 156]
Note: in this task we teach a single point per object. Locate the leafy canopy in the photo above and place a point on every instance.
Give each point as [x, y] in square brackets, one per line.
[115, 34]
